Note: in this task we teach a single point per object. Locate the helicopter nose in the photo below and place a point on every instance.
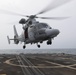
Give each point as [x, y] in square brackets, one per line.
[56, 31]
[52, 32]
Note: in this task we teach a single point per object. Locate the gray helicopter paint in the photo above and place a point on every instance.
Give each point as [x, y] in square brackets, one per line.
[52, 32]
[31, 33]
[21, 37]
[38, 32]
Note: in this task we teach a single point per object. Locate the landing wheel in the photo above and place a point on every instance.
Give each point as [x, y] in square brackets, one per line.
[24, 47]
[49, 42]
[38, 46]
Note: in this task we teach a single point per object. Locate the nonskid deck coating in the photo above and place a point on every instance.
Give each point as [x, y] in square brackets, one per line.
[48, 64]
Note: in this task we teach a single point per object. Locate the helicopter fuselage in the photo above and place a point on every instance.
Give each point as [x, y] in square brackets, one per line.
[38, 32]
[35, 32]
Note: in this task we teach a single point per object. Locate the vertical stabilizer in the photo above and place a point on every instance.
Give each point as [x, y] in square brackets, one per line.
[15, 31]
[8, 39]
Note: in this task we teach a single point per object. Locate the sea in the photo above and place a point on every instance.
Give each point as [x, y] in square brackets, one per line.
[37, 51]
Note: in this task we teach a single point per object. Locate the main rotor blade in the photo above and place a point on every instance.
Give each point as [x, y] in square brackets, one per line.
[12, 13]
[54, 4]
[54, 18]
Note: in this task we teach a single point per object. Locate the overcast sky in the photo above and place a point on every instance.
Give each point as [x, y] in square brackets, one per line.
[67, 27]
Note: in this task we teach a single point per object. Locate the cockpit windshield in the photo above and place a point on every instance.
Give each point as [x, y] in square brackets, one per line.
[42, 25]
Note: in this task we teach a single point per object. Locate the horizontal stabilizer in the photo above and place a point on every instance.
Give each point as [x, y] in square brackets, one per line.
[9, 39]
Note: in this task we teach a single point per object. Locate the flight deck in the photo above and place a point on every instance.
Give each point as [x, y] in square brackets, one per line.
[38, 64]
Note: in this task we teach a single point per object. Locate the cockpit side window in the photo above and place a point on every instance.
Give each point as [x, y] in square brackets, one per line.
[42, 25]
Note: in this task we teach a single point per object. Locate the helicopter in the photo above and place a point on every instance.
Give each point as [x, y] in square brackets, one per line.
[35, 32]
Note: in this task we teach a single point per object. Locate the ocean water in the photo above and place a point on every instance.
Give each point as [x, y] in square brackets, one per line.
[37, 51]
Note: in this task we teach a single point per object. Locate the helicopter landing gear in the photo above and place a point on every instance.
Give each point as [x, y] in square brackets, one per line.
[38, 45]
[49, 42]
[24, 46]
